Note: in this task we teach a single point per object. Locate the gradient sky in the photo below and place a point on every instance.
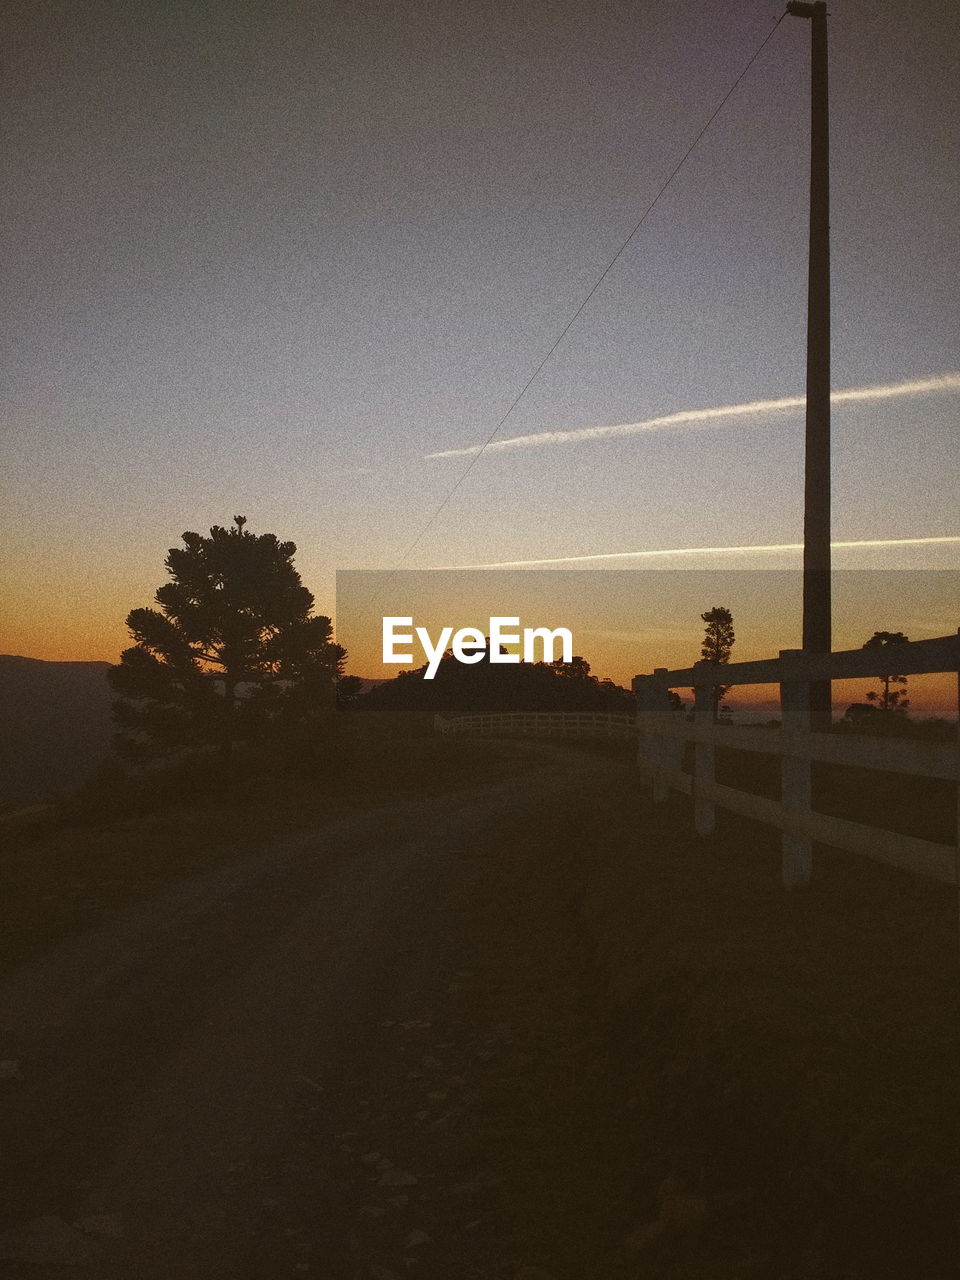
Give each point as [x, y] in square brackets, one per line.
[265, 258]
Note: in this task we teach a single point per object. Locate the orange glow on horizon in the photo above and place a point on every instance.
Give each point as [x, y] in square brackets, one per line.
[618, 641]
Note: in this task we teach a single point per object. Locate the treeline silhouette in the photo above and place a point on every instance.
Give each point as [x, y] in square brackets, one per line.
[461, 689]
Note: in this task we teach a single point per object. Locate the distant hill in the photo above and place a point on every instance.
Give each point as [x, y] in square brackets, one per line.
[55, 726]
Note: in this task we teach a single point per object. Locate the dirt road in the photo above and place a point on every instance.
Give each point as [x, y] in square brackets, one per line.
[309, 1062]
[382, 1048]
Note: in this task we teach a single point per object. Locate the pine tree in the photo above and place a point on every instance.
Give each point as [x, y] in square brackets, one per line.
[889, 699]
[717, 646]
[232, 652]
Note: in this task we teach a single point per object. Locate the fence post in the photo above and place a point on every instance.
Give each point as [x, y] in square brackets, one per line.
[795, 788]
[704, 812]
[670, 752]
[641, 691]
[651, 701]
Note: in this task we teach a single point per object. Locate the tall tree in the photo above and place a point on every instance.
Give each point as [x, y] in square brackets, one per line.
[889, 698]
[718, 638]
[233, 649]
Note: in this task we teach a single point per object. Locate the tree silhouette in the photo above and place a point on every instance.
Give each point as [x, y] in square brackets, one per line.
[349, 689]
[889, 699]
[718, 638]
[578, 668]
[232, 651]
[486, 686]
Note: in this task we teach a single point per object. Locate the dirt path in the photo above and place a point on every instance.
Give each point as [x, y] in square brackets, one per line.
[382, 1049]
[311, 1062]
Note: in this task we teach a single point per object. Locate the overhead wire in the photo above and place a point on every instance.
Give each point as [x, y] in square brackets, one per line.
[585, 302]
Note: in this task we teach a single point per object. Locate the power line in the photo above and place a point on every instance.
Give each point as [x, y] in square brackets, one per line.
[580, 309]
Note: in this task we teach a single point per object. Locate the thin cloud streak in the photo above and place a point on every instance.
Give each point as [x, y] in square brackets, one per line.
[756, 408]
[701, 551]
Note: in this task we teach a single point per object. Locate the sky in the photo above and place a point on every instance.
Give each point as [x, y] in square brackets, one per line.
[297, 261]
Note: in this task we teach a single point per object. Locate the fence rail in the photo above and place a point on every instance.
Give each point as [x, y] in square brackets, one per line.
[554, 724]
[662, 734]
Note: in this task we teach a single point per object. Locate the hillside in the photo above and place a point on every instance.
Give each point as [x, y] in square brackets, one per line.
[55, 726]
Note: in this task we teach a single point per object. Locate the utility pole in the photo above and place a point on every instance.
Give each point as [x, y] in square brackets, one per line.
[817, 637]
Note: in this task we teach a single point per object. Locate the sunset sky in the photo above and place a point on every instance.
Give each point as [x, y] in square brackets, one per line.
[296, 261]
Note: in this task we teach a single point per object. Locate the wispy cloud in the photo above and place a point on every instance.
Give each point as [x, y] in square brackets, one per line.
[701, 551]
[719, 414]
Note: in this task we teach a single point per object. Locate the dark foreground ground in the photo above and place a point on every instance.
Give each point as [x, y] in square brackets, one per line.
[526, 1029]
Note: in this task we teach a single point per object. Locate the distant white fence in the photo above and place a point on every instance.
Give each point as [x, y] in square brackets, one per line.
[662, 732]
[544, 724]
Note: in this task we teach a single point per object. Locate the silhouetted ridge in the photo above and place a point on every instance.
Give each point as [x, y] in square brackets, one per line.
[55, 726]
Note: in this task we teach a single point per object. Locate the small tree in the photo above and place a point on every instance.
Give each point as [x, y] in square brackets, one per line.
[232, 650]
[889, 699]
[718, 638]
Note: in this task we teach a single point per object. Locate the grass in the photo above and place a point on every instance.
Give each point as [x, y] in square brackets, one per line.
[795, 1052]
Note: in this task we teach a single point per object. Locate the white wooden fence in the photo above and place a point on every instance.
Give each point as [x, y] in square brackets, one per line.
[561, 724]
[663, 732]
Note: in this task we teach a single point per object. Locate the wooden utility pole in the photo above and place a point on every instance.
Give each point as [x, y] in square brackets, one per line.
[817, 635]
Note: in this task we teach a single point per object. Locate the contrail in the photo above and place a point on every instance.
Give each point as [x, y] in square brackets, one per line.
[915, 387]
[700, 551]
